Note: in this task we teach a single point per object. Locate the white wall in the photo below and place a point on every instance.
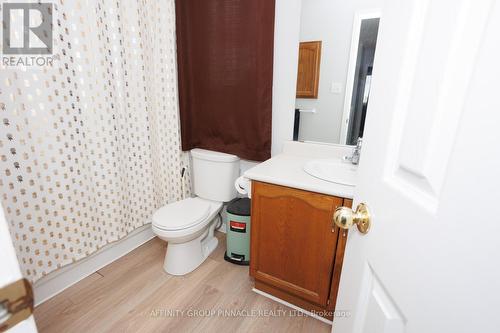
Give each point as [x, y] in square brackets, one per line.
[286, 43]
[331, 22]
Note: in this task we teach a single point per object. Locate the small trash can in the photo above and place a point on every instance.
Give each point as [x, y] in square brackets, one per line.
[238, 232]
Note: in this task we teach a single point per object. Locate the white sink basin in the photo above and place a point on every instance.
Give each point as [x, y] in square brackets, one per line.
[332, 170]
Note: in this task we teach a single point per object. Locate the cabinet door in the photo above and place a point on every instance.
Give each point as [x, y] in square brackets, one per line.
[308, 71]
[292, 242]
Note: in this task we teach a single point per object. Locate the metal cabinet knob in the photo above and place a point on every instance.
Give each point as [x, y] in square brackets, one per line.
[345, 217]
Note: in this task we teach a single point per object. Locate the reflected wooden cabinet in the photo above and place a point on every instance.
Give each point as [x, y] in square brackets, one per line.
[308, 71]
[296, 255]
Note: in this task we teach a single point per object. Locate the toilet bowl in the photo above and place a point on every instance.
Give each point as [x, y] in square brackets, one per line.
[188, 228]
[188, 225]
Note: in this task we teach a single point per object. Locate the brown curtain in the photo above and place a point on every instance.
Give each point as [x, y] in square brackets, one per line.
[225, 68]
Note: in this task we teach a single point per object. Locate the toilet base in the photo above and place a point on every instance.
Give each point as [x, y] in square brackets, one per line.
[183, 258]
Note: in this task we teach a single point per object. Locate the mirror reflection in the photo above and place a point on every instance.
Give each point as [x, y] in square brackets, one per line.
[335, 71]
[361, 84]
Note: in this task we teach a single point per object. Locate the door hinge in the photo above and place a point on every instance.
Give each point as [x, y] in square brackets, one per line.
[16, 303]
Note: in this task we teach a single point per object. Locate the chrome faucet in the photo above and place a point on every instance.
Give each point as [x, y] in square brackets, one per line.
[356, 153]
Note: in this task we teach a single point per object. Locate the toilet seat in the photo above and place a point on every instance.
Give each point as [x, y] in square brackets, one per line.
[181, 215]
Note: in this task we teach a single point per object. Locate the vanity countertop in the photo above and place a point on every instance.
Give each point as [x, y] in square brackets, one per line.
[286, 169]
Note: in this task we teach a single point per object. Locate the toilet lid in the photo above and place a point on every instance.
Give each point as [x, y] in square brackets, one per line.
[181, 214]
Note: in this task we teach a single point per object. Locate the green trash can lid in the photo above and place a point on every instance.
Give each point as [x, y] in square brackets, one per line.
[239, 206]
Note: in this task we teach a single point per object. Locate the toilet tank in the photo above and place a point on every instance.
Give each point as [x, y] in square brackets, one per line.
[214, 174]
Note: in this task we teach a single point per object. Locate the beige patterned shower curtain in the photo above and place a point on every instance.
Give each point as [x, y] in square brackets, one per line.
[90, 147]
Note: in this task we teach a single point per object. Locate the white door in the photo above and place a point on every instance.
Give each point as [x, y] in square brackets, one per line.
[9, 273]
[430, 172]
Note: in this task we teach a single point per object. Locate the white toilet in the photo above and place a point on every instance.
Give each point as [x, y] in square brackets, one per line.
[188, 225]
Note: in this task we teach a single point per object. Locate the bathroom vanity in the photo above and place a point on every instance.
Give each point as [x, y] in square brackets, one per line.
[296, 250]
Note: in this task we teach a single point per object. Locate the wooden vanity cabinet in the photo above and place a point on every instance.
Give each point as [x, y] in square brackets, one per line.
[296, 253]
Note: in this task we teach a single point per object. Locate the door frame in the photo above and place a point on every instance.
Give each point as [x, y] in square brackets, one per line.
[353, 55]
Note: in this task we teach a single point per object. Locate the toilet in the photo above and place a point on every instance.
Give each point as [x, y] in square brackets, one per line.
[188, 225]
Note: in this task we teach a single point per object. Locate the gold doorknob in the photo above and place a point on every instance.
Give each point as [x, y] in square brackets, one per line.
[344, 218]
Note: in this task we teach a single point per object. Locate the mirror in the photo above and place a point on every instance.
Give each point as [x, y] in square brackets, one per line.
[336, 56]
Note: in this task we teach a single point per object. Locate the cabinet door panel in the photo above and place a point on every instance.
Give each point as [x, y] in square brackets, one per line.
[308, 69]
[293, 246]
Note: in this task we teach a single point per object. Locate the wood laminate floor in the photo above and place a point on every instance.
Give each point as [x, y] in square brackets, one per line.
[134, 294]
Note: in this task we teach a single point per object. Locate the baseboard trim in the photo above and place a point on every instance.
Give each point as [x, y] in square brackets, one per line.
[290, 305]
[54, 283]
